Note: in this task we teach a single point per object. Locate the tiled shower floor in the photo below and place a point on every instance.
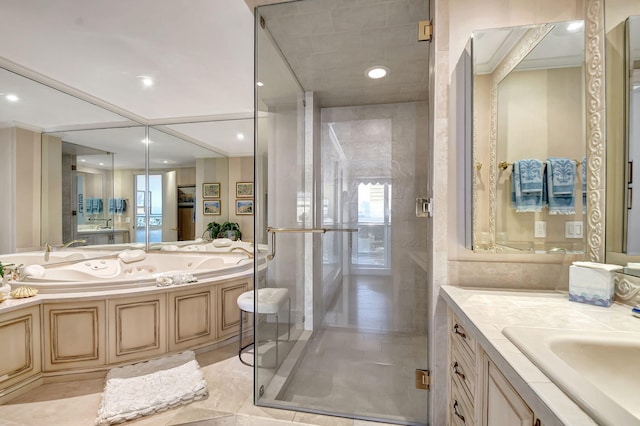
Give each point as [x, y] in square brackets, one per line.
[357, 364]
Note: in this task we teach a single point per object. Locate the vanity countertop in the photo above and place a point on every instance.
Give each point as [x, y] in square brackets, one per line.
[487, 312]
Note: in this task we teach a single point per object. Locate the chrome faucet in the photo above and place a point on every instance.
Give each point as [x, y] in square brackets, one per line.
[47, 250]
[65, 245]
[244, 250]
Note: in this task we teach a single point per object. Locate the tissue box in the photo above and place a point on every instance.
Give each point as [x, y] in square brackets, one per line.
[590, 285]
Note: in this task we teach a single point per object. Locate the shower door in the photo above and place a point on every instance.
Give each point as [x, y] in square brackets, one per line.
[337, 177]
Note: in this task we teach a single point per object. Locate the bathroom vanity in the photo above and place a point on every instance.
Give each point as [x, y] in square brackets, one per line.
[491, 381]
[104, 236]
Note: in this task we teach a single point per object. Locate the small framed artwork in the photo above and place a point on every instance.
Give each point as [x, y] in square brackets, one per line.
[244, 189]
[212, 207]
[244, 207]
[210, 190]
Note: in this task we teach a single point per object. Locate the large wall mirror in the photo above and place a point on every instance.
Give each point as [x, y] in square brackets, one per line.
[529, 180]
[623, 135]
[104, 180]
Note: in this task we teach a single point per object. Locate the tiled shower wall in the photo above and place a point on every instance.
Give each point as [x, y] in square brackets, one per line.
[389, 142]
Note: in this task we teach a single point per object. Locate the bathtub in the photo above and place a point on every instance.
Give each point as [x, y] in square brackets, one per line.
[38, 258]
[87, 272]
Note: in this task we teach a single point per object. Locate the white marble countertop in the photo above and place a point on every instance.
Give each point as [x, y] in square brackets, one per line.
[487, 312]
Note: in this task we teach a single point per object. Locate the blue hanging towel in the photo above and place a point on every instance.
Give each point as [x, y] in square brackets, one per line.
[527, 186]
[561, 177]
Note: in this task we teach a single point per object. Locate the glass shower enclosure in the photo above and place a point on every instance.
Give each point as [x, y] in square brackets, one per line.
[340, 159]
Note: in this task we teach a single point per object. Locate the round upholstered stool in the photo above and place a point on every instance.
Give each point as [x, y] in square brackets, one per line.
[270, 302]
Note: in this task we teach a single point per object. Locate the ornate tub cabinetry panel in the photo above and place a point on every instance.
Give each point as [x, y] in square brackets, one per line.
[91, 334]
[479, 394]
[228, 311]
[137, 327]
[20, 343]
[191, 318]
[63, 324]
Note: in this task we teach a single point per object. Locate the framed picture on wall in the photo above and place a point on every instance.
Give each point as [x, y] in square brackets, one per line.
[244, 189]
[244, 207]
[212, 207]
[210, 190]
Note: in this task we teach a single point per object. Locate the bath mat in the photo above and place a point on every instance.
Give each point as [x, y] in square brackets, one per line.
[150, 387]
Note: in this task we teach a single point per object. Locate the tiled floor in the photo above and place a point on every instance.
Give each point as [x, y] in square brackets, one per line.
[357, 364]
[229, 403]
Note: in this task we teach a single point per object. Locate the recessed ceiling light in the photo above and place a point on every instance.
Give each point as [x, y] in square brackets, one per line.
[377, 72]
[102, 164]
[240, 136]
[146, 80]
[260, 84]
[165, 161]
[573, 27]
[83, 160]
[12, 98]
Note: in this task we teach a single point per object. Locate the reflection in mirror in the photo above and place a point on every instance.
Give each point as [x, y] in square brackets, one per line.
[623, 136]
[97, 203]
[92, 183]
[36, 108]
[182, 162]
[632, 174]
[529, 134]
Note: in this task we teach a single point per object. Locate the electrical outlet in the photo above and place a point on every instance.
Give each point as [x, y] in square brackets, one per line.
[573, 229]
[540, 229]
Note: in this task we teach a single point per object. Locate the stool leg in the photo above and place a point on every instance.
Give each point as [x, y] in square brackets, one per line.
[240, 347]
[277, 333]
[240, 338]
[289, 322]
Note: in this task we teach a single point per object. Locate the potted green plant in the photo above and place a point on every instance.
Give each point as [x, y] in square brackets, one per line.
[230, 230]
[213, 228]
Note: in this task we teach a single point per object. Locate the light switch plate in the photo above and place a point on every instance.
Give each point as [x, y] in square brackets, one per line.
[540, 229]
[573, 229]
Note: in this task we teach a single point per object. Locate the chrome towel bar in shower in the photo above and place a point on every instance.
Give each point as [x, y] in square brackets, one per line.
[274, 231]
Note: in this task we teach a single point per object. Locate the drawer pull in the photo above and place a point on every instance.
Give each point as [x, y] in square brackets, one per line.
[461, 333]
[455, 411]
[455, 370]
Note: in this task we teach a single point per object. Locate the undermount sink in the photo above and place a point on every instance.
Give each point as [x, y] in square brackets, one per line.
[597, 369]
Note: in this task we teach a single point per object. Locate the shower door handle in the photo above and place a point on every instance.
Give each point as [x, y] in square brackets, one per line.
[274, 231]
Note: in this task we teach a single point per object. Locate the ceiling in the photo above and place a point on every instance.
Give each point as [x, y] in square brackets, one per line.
[198, 52]
[560, 48]
[330, 44]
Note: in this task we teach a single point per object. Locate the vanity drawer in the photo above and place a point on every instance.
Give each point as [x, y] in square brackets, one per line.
[460, 407]
[459, 337]
[462, 369]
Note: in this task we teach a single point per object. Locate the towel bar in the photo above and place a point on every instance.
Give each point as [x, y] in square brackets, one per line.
[503, 165]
